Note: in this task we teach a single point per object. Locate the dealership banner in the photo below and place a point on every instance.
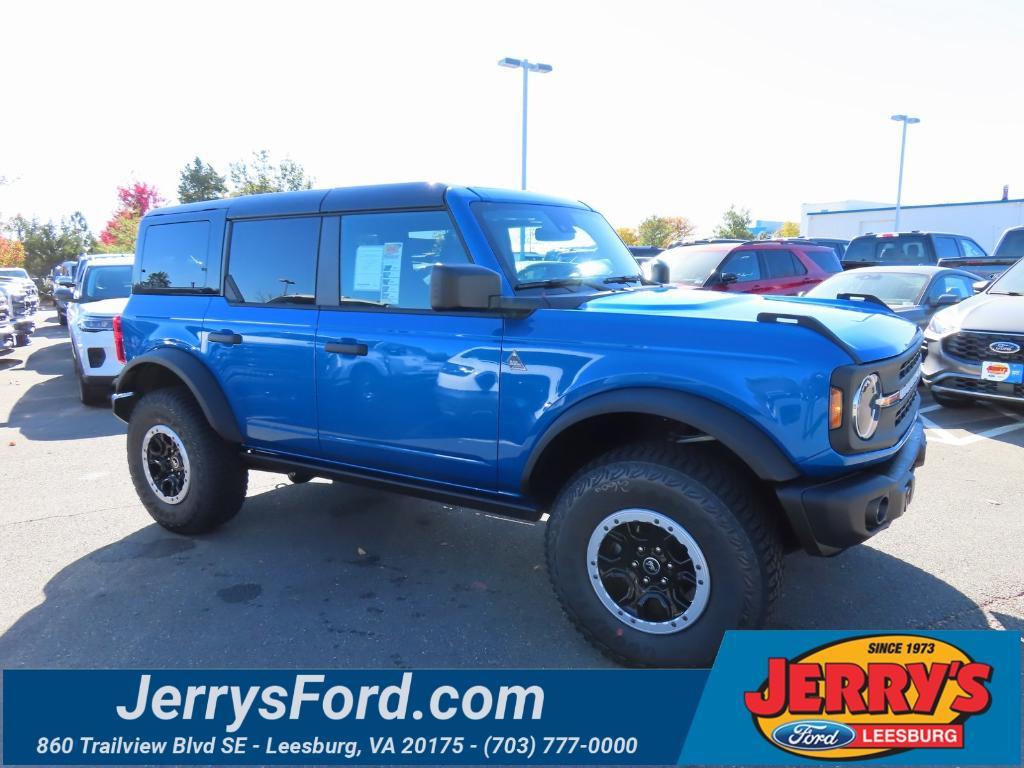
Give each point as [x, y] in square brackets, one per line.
[773, 697]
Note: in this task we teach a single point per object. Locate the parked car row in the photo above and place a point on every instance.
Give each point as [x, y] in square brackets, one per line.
[20, 301]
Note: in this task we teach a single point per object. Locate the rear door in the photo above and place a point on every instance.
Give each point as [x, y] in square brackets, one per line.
[783, 272]
[258, 338]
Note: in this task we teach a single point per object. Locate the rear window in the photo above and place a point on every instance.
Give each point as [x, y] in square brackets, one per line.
[909, 249]
[827, 260]
[1012, 245]
[174, 258]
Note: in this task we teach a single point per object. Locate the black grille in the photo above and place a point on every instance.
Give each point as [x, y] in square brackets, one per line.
[974, 347]
[910, 366]
[983, 387]
[907, 409]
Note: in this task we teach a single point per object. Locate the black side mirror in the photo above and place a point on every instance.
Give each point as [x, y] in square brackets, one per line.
[463, 286]
[945, 300]
[659, 271]
[981, 285]
[62, 293]
[728, 277]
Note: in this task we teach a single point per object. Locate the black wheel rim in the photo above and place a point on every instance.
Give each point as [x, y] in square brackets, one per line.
[166, 464]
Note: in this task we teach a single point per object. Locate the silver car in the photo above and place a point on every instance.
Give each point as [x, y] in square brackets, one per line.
[975, 349]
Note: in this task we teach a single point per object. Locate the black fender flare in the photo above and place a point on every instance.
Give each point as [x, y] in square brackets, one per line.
[737, 433]
[194, 374]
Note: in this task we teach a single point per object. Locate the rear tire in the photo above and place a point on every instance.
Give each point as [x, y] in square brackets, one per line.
[713, 536]
[188, 478]
[299, 477]
[951, 401]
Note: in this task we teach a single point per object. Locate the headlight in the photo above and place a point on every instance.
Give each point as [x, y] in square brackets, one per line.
[96, 324]
[945, 322]
[865, 410]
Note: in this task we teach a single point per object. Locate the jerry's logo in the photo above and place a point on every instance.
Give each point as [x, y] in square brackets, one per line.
[870, 696]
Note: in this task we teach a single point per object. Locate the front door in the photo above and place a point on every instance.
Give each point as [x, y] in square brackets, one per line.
[258, 338]
[400, 388]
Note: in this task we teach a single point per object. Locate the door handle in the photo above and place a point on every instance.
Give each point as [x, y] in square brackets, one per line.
[224, 337]
[345, 348]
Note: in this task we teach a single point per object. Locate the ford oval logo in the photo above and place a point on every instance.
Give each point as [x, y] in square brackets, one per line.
[813, 735]
[1004, 347]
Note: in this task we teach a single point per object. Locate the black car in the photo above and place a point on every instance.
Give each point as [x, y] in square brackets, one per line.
[941, 249]
[913, 293]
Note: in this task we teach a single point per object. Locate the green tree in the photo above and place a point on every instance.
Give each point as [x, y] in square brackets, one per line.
[199, 181]
[789, 229]
[261, 175]
[47, 245]
[627, 235]
[735, 224]
[660, 231]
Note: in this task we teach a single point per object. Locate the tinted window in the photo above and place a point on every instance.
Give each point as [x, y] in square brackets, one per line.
[113, 281]
[782, 264]
[945, 248]
[1012, 245]
[827, 261]
[174, 257]
[911, 249]
[972, 250]
[387, 258]
[273, 261]
[744, 265]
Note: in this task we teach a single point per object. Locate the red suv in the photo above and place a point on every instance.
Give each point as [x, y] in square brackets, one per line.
[757, 266]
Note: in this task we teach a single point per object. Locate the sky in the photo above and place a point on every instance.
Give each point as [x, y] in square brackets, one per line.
[669, 108]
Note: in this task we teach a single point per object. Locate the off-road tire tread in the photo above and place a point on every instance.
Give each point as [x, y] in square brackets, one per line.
[727, 479]
[226, 477]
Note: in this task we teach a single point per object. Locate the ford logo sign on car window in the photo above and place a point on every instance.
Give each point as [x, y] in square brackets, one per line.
[1004, 347]
[813, 735]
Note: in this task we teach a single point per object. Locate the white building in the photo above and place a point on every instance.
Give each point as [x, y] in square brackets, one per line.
[983, 221]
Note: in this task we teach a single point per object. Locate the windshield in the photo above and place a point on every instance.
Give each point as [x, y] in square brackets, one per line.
[13, 272]
[897, 289]
[1011, 282]
[692, 266]
[107, 282]
[551, 242]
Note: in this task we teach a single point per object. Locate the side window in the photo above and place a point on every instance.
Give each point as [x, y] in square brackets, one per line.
[945, 248]
[273, 261]
[826, 260]
[387, 258]
[972, 250]
[744, 265]
[782, 264]
[174, 258]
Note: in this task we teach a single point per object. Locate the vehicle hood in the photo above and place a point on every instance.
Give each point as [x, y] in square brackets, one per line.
[872, 332]
[104, 308]
[989, 312]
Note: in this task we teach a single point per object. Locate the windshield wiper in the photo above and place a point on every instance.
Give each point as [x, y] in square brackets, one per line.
[557, 282]
[1007, 293]
[623, 279]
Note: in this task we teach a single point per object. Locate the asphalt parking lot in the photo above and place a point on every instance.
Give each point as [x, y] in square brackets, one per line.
[333, 575]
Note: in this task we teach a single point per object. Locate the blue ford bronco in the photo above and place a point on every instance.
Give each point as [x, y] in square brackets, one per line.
[500, 350]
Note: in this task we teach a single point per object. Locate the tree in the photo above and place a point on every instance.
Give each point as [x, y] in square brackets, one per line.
[199, 181]
[660, 231]
[121, 232]
[12, 253]
[627, 235]
[789, 229]
[261, 175]
[735, 224]
[47, 245]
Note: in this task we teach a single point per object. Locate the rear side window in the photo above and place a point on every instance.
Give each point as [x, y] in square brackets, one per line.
[945, 248]
[273, 261]
[387, 258]
[174, 258]
[782, 264]
[827, 261]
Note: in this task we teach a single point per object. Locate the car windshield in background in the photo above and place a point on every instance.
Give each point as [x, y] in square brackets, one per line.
[1011, 282]
[827, 260]
[692, 266]
[107, 282]
[889, 250]
[1011, 246]
[550, 242]
[896, 289]
[13, 272]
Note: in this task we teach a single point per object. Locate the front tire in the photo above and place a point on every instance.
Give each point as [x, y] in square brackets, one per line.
[187, 477]
[655, 550]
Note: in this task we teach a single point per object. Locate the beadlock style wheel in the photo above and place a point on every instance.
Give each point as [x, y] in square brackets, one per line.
[648, 571]
[165, 464]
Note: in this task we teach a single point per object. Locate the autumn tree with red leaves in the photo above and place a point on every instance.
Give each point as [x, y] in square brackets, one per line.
[120, 233]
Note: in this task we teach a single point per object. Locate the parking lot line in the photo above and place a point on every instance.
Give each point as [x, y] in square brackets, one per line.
[943, 434]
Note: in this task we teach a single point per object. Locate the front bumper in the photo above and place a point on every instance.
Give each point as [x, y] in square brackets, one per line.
[951, 375]
[831, 515]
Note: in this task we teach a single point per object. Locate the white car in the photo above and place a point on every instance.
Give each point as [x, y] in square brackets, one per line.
[101, 294]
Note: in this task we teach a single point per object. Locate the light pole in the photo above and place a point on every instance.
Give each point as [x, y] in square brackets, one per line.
[527, 67]
[906, 120]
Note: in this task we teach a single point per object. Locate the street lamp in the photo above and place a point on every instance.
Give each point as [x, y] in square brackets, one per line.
[906, 120]
[527, 67]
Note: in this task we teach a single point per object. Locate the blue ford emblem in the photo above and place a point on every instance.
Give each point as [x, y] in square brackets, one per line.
[813, 735]
[1004, 347]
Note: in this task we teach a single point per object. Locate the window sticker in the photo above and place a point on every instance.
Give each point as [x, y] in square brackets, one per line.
[368, 268]
[390, 272]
